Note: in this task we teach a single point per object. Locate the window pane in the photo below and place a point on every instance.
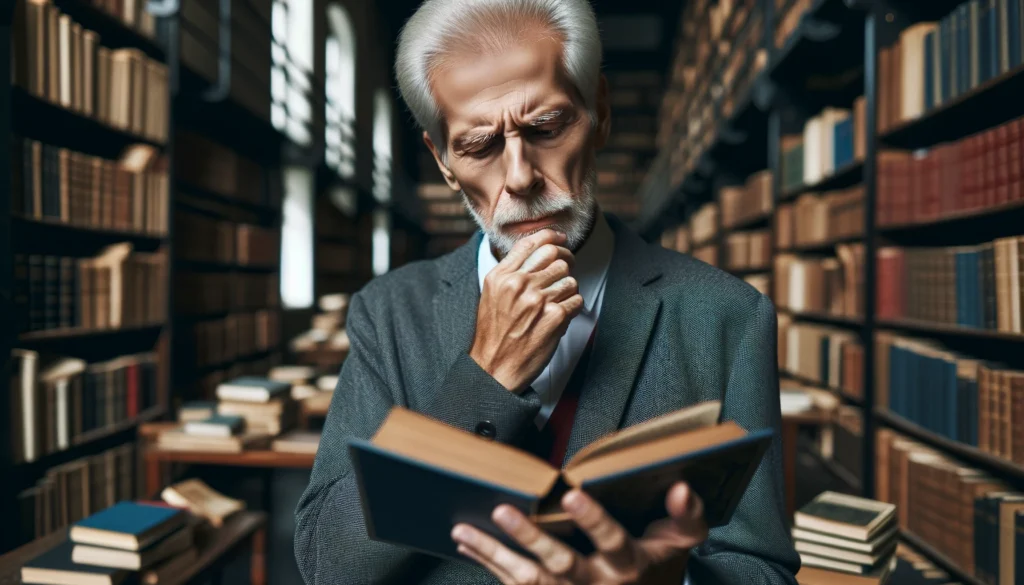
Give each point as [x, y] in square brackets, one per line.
[381, 241]
[297, 277]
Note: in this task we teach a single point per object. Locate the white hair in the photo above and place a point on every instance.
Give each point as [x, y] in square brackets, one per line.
[429, 34]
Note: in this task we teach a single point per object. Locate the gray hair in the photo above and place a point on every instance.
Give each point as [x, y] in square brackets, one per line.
[427, 36]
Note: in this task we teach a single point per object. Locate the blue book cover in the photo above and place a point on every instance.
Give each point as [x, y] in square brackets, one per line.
[945, 59]
[1013, 27]
[57, 561]
[960, 282]
[422, 519]
[950, 409]
[842, 143]
[143, 524]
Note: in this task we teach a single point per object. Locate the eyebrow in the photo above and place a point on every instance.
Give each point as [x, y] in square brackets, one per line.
[473, 138]
[546, 117]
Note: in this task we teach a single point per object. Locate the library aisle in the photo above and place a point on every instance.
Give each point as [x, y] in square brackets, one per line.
[197, 189]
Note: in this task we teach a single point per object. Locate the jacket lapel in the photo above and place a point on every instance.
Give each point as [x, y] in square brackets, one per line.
[456, 303]
[628, 313]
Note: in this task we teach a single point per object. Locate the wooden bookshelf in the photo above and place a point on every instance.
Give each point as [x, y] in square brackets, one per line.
[823, 64]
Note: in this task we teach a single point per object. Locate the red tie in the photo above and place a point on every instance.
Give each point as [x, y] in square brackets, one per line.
[559, 425]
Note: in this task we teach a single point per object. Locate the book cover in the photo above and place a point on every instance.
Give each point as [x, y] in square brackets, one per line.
[56, 566]
[127, 525]
[629, 473]
[218, 425]
[252, 389]
[846, 516]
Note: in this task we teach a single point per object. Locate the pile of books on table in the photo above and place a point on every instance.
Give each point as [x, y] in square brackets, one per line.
[248, 413]
[138, 542]
[845, 540]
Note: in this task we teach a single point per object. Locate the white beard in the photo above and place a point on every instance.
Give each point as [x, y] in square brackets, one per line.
[576, 227]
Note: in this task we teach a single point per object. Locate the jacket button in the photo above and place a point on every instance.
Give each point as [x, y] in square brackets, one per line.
[486, 429]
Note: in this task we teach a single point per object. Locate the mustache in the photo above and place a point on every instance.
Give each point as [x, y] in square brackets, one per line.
[515, 211]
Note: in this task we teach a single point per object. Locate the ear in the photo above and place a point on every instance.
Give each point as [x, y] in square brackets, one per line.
[449, 177]
[604, 112]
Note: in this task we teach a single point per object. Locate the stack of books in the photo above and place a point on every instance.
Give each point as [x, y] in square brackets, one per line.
[327, 328]
[846, 539]
[249, 412]
[128, 542]
[303, 379]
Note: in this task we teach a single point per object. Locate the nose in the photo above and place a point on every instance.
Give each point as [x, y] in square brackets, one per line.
[522, 178]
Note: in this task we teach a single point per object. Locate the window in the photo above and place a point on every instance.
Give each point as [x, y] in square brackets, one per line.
[291, 63]
[340, 107]
[382, 146]
[297, 239]
[381, 241]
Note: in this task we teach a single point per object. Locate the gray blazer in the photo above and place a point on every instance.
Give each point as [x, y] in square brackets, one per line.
[673, 331]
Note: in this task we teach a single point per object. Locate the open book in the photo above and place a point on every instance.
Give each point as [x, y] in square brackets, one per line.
[418, 477]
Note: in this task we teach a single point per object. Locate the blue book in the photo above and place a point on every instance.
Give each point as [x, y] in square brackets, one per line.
[963, 39]
[218, 425]
[946, 59]
[56, 566]
[842, 143]
[459, 477]
[1013, 29]
[128, 525]
[960, 282]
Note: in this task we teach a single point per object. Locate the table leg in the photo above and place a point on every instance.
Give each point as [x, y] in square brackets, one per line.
[789, 439]
[153, 476]
[258, 566]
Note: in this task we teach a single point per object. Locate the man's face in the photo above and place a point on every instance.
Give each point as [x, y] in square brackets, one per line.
[520, 141]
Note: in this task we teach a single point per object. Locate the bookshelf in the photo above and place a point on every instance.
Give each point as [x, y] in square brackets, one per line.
[88, 203]
[834, 54]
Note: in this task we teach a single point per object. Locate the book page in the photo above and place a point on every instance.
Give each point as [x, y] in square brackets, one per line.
[698, 416]
[435, 443]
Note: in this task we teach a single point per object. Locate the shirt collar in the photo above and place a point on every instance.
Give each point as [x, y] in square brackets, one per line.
[592, 261]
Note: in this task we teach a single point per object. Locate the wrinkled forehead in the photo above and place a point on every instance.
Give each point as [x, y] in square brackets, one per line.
[492, 87]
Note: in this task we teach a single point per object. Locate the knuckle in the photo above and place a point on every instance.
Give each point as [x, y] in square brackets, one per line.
[514, 283]
[555, 311]
[561, 563]
[532, 298]
[560, 266]
[571, 283]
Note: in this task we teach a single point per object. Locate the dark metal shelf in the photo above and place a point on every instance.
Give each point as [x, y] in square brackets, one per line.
[53, 124]
[828, 247]
[85, 333]
[990, 104]
[825, 318]
[846, 176]
[950, 330]
[822, 61]
[967, 453]
[29, 231]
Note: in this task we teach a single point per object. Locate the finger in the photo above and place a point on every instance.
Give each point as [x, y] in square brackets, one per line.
[543, 256]
[609, 537]
[486, 563]
[519, 568]
[552, 273]
[684, 505]
[559, 559]
[572, 306]
[561, 290]
[524, 247]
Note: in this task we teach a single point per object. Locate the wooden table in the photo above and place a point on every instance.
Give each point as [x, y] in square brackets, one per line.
[155, 457]
[791, 424]
[242, 528]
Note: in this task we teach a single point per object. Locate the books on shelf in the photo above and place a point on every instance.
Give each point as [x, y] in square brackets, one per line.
[202, 163]
[761, 282]
[58, 61]
[60, 185]
[74, 490]
[704, 224]
[933, 63]
[748, 201]
[209, 293]
[218, 342]
[975, 173]
[847, 534]
[971, 401]
[788, 18]
[202, 501]
[830, 141]
[116, 288]
[629, 472]
[748, 250]
[59, 401]
[815, 219]
[225, 242]
[954, 508]
[829, 356]
[707, 253]
[677, 239]
[980, 287]
[832, 286]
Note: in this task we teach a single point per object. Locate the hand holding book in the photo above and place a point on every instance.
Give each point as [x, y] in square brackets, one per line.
[618, 557]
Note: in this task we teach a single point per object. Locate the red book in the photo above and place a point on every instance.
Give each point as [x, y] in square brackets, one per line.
[990, 169]
[1002, 195]
[131, 374]
[1014, 160]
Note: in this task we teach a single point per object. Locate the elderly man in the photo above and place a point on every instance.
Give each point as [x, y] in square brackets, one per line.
[555, 320]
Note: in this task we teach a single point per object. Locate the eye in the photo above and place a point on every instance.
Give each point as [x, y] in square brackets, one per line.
[550, 131]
